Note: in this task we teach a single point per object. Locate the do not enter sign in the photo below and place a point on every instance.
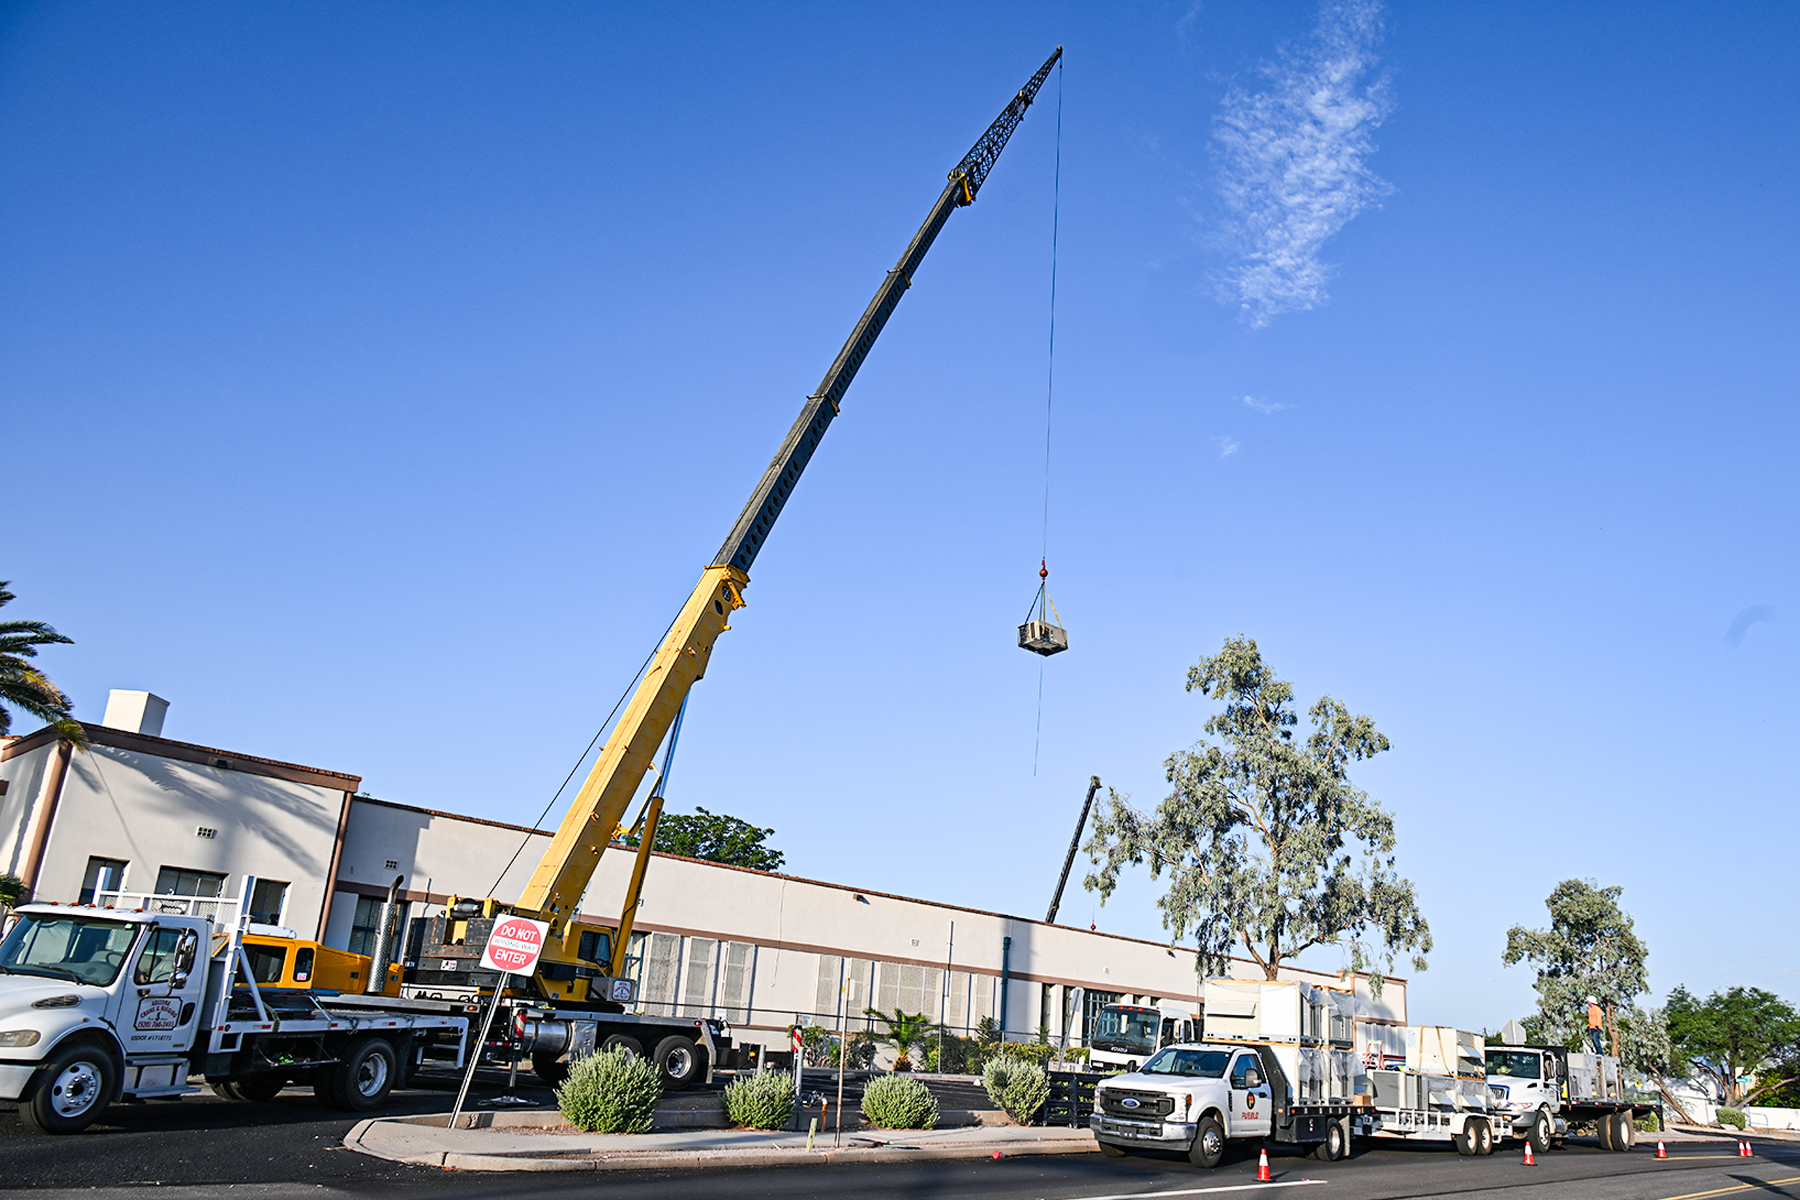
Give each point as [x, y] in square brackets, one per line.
[514, 945]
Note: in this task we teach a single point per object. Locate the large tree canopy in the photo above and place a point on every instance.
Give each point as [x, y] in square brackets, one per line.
[1734, 1033]
[1267, 843]
[1590, 949]
[22, 685]
[716, 838]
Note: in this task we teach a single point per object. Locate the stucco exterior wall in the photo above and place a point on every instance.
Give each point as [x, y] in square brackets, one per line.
[21, 805]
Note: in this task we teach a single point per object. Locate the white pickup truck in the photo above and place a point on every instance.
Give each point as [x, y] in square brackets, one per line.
[1198, 1098]
[99, 1005]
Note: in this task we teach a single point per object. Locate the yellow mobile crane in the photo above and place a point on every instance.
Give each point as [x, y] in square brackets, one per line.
[578, 996]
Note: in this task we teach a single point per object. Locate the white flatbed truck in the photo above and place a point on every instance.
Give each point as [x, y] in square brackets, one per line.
[102, 1005]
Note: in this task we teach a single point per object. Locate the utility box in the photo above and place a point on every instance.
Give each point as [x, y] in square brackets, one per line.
[1041, 637]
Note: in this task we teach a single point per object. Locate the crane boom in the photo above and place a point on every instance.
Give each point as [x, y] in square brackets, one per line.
[568, 864]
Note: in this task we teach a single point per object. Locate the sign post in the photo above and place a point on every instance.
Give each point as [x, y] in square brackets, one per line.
[799, 1073]
[513, 948]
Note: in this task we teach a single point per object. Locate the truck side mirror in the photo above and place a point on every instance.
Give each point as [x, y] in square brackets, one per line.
[1252, 1078]
[184, 953]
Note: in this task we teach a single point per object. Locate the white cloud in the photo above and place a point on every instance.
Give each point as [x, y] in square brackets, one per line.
[1227, 445]
[1264, 406]
[1294, 161]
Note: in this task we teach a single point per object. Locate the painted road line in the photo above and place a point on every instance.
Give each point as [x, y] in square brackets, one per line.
[1238, 1187]
[1742, 1187]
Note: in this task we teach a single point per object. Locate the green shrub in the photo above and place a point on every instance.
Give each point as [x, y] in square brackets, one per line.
[1031, 1052]
[959, 1056]
[764, 1101]
[1017, 1086]
[1076, 1054]
[896, 1102]
[1648, 1124]
[611, 1092]
[1731, 1117]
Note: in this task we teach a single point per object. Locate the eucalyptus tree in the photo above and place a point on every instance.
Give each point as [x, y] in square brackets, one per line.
[1590, 949]
[1267, 844]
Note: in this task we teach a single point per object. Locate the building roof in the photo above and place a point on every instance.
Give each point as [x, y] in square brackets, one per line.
[206, 756]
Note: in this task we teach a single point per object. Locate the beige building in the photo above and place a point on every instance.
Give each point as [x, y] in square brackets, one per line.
[136, 812]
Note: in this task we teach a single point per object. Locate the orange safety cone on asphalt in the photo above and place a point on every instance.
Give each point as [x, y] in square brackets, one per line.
[1740, 1147]
[1660, 1152]
[1749, 1150]
[1262, 1167]
[1529, 1161]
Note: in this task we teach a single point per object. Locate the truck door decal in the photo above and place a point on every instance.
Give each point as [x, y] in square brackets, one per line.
[159, 1014]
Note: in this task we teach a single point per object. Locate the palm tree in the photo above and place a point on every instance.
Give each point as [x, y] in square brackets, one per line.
[904, 1031]
[25, 687]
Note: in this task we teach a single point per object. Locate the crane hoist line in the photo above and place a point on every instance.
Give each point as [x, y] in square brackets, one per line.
[583, 964]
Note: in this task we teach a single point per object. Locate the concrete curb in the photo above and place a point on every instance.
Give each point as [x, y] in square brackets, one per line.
[366, 1138]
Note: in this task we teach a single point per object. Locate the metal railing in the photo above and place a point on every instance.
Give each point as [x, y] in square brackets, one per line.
[222, 911]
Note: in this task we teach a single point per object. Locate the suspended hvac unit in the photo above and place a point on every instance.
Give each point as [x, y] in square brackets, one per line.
[1039, 633]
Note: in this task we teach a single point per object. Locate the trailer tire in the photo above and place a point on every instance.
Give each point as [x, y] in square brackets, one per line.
[549, 1069]
[72, 1090]
[1336, 1145]
[363, 1077]
[1542, 1130]
[1208, 1149]
[681, 1061]
[625, 1042]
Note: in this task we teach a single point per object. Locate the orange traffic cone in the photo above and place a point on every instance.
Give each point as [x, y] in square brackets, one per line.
[1262, 1167]
[1529, 1161]
[1740, 1147]
[1660, 1152]
[1749, 1150]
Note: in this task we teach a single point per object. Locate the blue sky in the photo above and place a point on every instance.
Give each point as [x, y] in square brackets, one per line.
[380, 379]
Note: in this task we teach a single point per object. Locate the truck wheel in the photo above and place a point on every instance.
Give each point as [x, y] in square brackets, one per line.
[549, 1069]
[1208, 1149]
[1603, 1129]
[1541, 1131]
[1112, 1151]
[629, 1045]
[260, 1089]
[1484, 1138]
[680, 1060]
[73, 1089]
[1336, 1145]
[364, 1075]
[1624, 1131]
[1464, 1140]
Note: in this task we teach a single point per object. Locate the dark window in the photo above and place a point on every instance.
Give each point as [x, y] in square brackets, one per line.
[303, 964]
[177, 881]
[266, 962]
[157, 962]
[1240, 1071]
[1091, 1005]
[267, 899]
[103, 875]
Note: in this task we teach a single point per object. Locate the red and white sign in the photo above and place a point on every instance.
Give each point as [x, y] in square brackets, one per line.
[515, 945]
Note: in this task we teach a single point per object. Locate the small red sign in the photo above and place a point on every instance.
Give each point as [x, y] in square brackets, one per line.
[515, 945]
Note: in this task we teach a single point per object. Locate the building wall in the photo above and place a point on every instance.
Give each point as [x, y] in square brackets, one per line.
[22, 805]
[769, 949]
[144, 800]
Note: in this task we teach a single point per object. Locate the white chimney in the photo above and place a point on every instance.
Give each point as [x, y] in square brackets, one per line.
[135, 712]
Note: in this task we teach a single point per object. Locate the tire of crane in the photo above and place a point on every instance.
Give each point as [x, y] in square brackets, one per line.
[548, 1068]
[680, 1060]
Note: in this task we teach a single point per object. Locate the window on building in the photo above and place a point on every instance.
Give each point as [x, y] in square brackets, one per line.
[267, 900]
[1090, 1008]
[178, 881]
[363, 924]
[103, 875]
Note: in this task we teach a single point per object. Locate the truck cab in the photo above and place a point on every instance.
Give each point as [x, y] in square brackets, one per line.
[1195, 1098]
[96, 1004]
[1126, 1035]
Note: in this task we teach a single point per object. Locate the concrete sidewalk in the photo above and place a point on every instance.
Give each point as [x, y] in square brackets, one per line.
[543, 1141]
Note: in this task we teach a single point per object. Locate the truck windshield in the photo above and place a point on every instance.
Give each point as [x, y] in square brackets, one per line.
[1208, 1064]
[1519, 1064]
[1125, 1030]
[80, 949]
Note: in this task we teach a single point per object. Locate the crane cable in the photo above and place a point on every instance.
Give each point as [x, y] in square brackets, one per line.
[623, 696]
[1037, 736]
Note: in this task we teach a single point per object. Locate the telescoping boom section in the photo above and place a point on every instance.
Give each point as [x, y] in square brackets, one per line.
[583, 963]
